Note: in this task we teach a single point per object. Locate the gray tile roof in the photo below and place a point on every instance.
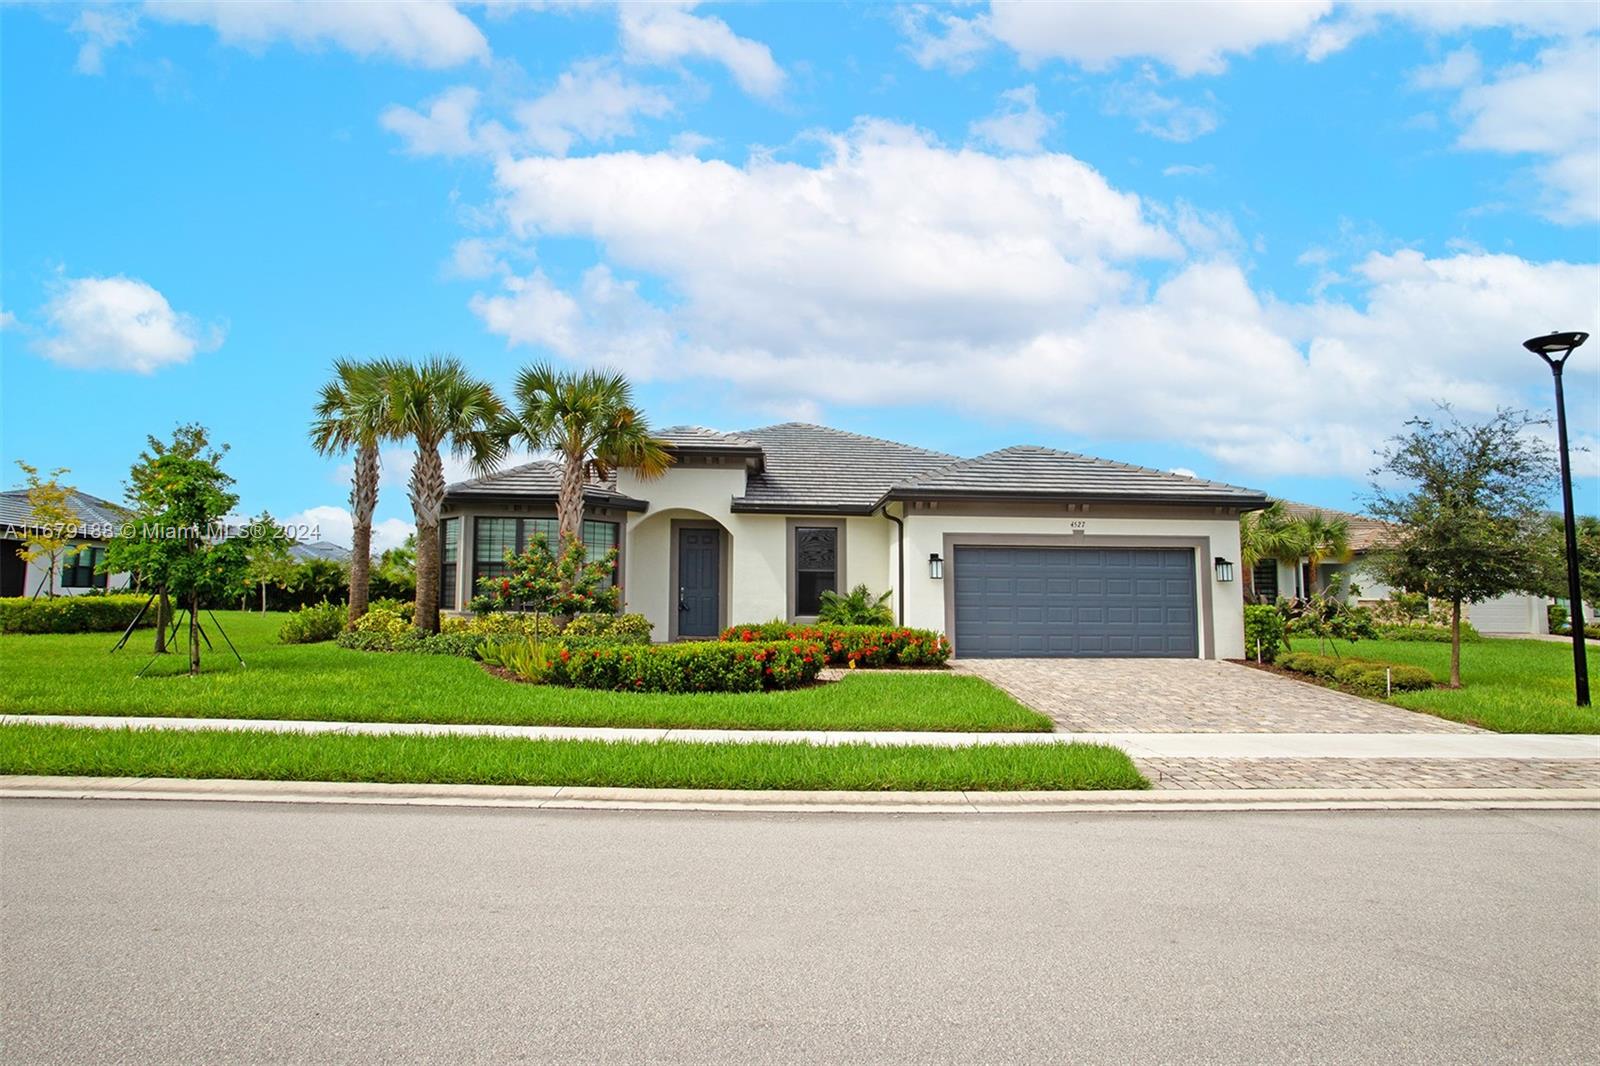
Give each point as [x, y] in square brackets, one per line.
[1365, 532]
[319, 549]
[1029, 472]
[90, 512]
[699, 438]
[814, 467]
[537, 480]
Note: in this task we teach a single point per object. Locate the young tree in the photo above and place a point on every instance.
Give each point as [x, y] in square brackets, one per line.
[1555, 551]
[1263, 535]
[1467, 507]
[139, 555]
[1321, 538]
[438, 404]
[350, 416]
[267, 549]
[51, 520]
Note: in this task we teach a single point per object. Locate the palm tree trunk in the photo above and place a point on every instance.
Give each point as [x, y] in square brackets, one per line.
[363, 501]
[427, 500]
[569, 504]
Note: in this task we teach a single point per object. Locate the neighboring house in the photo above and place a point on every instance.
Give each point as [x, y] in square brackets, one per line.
[1270, 580]
[1021, 552]
[94, 523]
[304, 550]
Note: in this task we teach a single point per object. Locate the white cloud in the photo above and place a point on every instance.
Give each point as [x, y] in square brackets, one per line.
[1550, 108]
[472, 258]
[120, 323]
[335, 525]
[900, 271]
[8, 321]
[1188, 170]
[1190, 36]
[424, 33]
[446, 128]
[1452, 72]
[102, 29]
[1165, 117]
[938, 38]
[590, 102]
[1018, 125]
[664, 33]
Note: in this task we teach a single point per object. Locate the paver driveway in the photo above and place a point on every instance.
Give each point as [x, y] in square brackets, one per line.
[1190, 696]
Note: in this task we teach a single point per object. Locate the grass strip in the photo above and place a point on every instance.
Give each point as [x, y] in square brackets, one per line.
[1509, 686]
[74, 751]
[74, 674]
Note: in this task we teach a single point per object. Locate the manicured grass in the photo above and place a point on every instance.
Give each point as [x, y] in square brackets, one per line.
[1510, 686]
[74, 674]
[71, 751]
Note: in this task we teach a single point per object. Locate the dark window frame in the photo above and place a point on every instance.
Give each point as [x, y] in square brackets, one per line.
[78, 574]
[594, 532]
[801, 604]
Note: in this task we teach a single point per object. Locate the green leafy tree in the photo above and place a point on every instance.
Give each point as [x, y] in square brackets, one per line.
[546, 581]
[437, 404]
[1555, 558]
[395, 576]
[857, 608]
[590, 419]
[267, 551]
[183, 544]
[318, 580]
[47, 539]
[1467, 503]
[352, 416]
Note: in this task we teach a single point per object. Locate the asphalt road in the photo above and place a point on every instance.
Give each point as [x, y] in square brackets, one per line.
[170, 932]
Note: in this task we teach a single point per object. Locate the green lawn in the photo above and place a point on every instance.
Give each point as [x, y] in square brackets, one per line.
[75, 674]
[66, 750]
[1510, 686]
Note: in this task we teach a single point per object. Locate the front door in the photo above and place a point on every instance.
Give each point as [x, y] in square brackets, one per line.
[699, 573]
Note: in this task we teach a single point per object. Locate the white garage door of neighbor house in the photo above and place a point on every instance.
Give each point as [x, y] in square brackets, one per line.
[1509, 614]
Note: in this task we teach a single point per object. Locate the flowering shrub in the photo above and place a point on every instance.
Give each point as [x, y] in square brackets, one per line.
[384, 619]
[312, 625]
[696, 667]
[549, 581]
[864, 646]
[621, 628]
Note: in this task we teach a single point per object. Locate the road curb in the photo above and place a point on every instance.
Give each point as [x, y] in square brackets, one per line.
[733, 800]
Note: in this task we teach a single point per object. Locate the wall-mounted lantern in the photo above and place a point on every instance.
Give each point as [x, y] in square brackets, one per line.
[1224, 569]
[935, 566]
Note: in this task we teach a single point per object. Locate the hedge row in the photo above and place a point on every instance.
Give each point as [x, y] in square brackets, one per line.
[1427, 634]
[73, 614]
[1361, 675]
[411, 640]
[698, 667]
[859, 645]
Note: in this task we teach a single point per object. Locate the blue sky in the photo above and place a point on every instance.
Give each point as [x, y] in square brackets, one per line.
[1243, 240]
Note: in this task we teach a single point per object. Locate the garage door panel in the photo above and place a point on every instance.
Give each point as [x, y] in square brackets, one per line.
[1074, 602]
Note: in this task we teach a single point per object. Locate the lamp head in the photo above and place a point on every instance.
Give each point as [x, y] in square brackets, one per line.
[1555, 344]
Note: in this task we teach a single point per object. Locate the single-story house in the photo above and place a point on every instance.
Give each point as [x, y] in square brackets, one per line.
[94, 523]
[1271, 579]
[1024, 551]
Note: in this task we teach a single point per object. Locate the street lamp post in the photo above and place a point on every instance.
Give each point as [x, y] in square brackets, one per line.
[1554, 348]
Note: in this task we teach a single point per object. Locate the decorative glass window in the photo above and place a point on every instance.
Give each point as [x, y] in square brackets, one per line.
[816, 566]
[449, 545]
[77, 571]
[1264, 579]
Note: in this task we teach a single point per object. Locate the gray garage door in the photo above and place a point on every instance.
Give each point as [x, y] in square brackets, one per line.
[1075, 602]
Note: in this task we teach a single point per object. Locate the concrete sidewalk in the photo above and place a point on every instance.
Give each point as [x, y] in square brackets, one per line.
[1139, 745]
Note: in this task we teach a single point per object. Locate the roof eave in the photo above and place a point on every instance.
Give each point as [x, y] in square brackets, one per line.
[621, 503]
[761, 507]
[1248, 501]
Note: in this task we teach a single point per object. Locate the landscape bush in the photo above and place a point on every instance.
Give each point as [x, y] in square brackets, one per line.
[1359, 675]
[1263, 623]
[864, 646]
[1427, 634]
[313, 625]
[410, 639]
[73, 614]
[702, 666]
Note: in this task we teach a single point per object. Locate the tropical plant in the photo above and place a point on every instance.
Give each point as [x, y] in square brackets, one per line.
[858, 608]
[47, 537]
[545, 581]
[267, 548]
[314, 624]
[588, 418]
[437, 404]
[1320, 539]
[352, 415]
[1467, 510]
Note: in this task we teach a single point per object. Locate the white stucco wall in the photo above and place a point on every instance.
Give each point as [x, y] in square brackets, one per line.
[756, 546]
[925, 532]
[37, 574]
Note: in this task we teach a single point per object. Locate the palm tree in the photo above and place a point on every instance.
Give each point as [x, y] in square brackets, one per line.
[589, 418]
[1320, 539]
[350, 416]
[437, 404]
[1263, 535]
